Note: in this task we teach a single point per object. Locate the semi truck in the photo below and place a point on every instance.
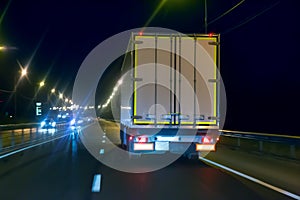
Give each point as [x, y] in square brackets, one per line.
[170, 93]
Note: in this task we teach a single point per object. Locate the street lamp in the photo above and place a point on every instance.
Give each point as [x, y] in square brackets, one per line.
[38, 86]
[3, 48]
[44, 94]
[23, 73]
[42, 83]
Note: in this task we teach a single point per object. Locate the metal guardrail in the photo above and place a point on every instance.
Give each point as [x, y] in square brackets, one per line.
[14, 136]
[278, 145]
[15, 126]
[262, 136]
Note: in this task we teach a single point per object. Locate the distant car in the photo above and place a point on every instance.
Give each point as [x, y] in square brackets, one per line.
[67, 122]
[72, 123]
[48, 123]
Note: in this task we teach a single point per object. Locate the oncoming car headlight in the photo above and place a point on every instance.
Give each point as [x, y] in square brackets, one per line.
[72, 122]
[43, 123]
[53, 124]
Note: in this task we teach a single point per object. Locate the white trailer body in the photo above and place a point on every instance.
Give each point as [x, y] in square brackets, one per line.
[170, 93]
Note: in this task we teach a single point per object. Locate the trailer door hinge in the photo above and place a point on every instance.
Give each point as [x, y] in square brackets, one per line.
[213, 118]
[137, 79]
[200, 117]
[214, 43]
[137, 42]
[213, 80]
[136, 117]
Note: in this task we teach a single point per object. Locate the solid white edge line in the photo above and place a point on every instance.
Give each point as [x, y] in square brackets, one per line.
[96, 187]
[29, 147]
[277, 189]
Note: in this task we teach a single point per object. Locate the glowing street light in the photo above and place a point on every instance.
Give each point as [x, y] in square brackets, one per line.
[53, 90]
[42, 83]
[24, 72]
[61, 96]
[3, 48]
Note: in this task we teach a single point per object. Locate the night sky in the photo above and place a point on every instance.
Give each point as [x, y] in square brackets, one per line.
[259, 48]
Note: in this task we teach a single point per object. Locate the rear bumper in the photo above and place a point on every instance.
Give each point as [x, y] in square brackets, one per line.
[154, 140]
[173, 147]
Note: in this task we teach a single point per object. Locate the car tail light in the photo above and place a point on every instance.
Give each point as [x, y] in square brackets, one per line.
[207, 140]
[142, 139]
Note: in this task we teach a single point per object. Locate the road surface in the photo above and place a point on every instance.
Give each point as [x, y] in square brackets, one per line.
[64, 169]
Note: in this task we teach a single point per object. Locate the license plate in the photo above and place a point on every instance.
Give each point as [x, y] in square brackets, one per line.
[205, 147]
[162, 146]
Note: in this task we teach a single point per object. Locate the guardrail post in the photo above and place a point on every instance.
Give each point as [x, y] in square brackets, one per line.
[260, 146]
[30, 134]
[293, 151]
[12, 138]
[22, 141]
[0, 141]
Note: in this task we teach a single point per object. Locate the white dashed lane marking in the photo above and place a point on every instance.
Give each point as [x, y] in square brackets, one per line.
[96, 187]
[101, 151]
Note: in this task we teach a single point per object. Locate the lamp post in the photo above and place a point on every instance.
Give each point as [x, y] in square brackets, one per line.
[49, 95]
[23, 73]
[205, 16]
[219, 17]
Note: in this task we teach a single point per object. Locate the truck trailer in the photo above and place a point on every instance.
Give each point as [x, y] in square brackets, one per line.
[170, 93]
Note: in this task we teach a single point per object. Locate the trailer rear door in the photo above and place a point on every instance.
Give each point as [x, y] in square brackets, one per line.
[175, 80]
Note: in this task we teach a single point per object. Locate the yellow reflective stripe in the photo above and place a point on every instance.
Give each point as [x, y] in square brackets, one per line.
[215, 77]
[185, 123]
[135, 75]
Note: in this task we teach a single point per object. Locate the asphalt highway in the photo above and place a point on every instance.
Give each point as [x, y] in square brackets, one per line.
[64, 169]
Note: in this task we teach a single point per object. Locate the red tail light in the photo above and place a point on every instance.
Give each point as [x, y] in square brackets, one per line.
[142, 139]
[206, 140]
